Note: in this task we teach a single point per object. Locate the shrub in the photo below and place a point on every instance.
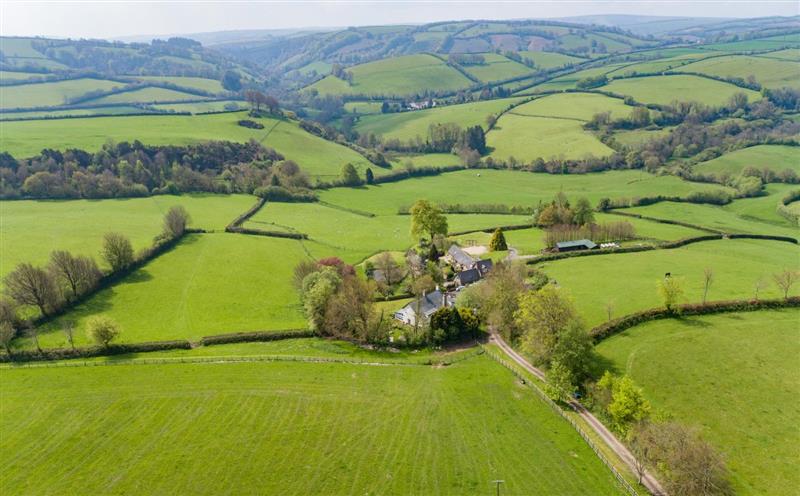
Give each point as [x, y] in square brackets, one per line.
[117, 251]
[498, 241]
[251, 124]
[281, 194]
[102, 330]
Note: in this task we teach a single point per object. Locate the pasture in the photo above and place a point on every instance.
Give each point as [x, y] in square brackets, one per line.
[550, 60]
[629, 280]
[578, 106]
[732, 375]
[507, 187]
[527, 138]
[770, 73]
[398, 76]
[408, 125]
[311, 428]
[198, 83]
[318, 157]
[208, 284]
[496, 68]
[725, 219]
[32, 229]
[764, 208]
[353, 237]
[773, 157]
[50, 94]
[146, 95]
[664, 90]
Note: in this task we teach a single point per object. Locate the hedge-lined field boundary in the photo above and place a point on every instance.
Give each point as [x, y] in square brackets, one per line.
[490, 230]
[663, 246]
[625, 322]
[125, 348]
[665, 221]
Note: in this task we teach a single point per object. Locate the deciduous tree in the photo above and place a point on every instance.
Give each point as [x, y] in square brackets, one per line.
[542, 316]
[175, 221]
[427, 219]
[76, 274]
[102, 330]
[7, 334]
[785, 280]
[117, 251]
[708, 278]
[392, 273]
[29, 285]
[671, 291]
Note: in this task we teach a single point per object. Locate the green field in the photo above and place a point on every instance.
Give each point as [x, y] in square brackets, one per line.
[406, 75]
[318, 157]
[769, 72]
[147, 95]
[508, 187]
[30, 230]
[202, 107]
[407, 125]
[629, 280]
[355, 237]
[17, 76]
[425, 160]
[764, 208]
[496, 68]
[637, 137]
[724, 219]
[658, 65]
[50, 94]
[208, 284]
[788, 54]
[550, 60]
[310, 428]
[580, 106]
[50, 114]
[527, 138]
[733, 375]
[666, 89]
[198, 83]
[773, 157]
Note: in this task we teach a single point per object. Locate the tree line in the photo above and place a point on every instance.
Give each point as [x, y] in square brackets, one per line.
[68, 278]
[133, 169]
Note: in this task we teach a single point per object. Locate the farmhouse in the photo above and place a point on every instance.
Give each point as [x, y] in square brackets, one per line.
[460, 259]
[423, 308]
[468, 276]
[580, 244]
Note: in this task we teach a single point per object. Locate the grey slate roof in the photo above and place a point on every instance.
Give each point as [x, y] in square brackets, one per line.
[468, 276]
[586, 243]
[460, 256]
[429, 303]
[484, 266]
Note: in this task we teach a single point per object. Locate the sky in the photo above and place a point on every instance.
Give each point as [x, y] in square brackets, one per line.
[115, 18]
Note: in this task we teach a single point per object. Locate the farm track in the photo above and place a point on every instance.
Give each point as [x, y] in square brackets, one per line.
[648, 480]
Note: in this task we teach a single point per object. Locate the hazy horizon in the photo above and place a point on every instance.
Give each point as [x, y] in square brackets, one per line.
[80, 19]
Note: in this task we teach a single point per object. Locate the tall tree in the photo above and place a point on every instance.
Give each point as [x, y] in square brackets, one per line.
[389, 268]
[7, 334]
[175, 221]
[427, 219]
[542, 316]
[77, 273]
[117, 251]
[583, 213]
[102, 330]
[29, 285]
[350, 175]
[232, 81]
[498, 241]
[785, 280]
[671, 291]
[708, 278]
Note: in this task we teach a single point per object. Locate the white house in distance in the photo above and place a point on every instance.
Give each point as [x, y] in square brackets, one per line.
[420, 311]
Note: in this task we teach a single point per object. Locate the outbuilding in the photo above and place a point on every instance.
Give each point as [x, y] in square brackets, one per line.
[578, 244]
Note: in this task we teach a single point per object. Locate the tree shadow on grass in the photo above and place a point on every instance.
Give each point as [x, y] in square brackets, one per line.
[694, 322]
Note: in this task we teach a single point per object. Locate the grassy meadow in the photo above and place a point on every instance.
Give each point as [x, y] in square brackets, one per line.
[405, 75]
[208, 284]
[496, 68]
[198, 83]
[578, 106]
[550, 60]
[146, 95]
[299, 428]
[666, 89]
[732, 375]
[726, 219]
[773, 157]
[31, 229]
[477, 186]
[527, 138]
[50, 94]
[407, 125]
[770, 73]
[629, 281]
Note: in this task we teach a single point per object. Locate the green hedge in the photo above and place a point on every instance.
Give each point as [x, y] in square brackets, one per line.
[626, 322]
[249, 337]
[271, 234]
[94, 351]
